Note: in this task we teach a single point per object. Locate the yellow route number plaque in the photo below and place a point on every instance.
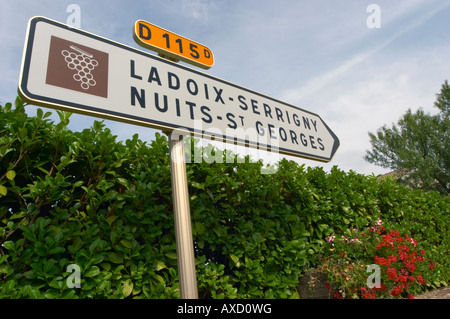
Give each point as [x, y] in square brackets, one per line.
[172, 45]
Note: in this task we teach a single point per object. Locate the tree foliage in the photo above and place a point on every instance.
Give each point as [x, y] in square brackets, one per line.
[84, 198]
[417, 147]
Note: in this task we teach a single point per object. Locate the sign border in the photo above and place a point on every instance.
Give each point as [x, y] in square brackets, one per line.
[130, 119]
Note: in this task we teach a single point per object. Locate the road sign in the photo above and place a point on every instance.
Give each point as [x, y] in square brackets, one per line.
[73, 70]
[172, 45]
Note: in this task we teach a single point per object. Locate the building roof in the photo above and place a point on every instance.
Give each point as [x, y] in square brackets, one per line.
[394, 174]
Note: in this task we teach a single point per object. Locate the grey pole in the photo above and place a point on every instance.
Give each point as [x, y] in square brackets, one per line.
[183, 228]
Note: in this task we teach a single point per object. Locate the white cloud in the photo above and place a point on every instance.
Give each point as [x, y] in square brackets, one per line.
[198, 9]
[373, 95]
[317, 83]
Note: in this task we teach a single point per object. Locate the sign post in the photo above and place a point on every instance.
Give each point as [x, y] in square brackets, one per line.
[76, 71]
[181, 210]
[157, 39]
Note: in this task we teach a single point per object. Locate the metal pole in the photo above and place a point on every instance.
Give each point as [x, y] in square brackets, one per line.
[183, 228]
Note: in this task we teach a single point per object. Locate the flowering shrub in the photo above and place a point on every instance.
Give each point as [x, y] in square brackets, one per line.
[400, 260]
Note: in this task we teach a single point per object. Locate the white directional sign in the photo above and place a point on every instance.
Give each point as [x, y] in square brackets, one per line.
[73, 70]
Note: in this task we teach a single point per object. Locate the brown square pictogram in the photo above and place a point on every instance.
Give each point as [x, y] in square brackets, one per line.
[77, 67]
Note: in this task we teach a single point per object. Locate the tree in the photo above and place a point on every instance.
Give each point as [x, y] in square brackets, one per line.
[418, 147]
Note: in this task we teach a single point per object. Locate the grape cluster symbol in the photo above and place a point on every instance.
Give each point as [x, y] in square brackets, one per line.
[82, 62]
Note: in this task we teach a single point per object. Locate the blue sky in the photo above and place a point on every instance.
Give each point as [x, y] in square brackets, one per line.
[319, 55]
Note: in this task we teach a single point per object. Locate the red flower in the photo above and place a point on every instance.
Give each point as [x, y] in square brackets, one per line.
[392, 274]
[396, 291]
[410, 265]
[367, 294]
[382, 287]
[421, 280]
[403, 278]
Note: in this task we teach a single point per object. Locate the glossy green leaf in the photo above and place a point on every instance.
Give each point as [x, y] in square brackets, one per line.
[10, 175]
[127, 288]
[126, 243]
[114, 257]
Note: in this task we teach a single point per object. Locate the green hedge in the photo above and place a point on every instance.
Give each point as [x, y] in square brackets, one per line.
[84, 198]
